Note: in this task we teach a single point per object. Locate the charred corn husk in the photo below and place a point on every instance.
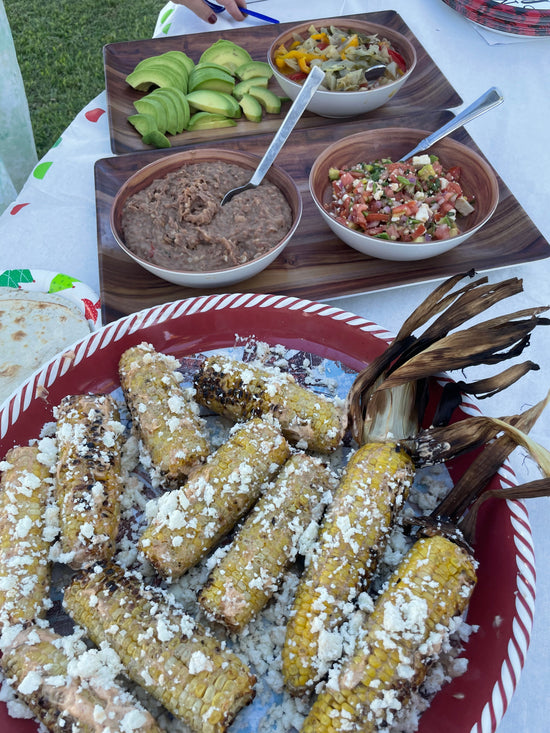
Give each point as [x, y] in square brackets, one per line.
[399, 639]
[240, 391]
[352, 537]
[68, 688]
[162, 648]
[444, 346]
[248, 574]
[173, 437]
[190, 521]
[24, 543]
[88, 477]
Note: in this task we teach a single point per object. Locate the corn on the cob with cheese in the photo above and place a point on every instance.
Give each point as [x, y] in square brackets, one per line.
[25, 489]
[398, 640]
[239, 391]
[190, 521]
[392, 386]
[172, 434]
[161, 648]
[248, 574]
[352, 537]
[88, 477]
[69, 688]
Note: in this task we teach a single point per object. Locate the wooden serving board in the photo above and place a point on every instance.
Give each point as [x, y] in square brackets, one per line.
[315, 264]
[426, 89]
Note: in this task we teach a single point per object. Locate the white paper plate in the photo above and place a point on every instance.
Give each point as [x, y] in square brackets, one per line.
[48, 281]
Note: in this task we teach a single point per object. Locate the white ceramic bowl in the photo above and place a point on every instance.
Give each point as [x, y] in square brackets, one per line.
[346, 104]
[478, 178]
[172, 162]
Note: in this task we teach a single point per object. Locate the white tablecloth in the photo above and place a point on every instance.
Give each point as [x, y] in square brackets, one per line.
[52, 224]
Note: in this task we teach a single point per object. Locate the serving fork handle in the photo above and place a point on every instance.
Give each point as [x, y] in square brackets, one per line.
[314, 79]
[491, 98]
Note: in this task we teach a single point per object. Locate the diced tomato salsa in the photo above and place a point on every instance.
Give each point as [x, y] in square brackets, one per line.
[412, 201]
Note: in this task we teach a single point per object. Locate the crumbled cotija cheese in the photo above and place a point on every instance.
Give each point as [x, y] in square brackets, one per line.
[199, 662]
[261, 642]
[30, 684]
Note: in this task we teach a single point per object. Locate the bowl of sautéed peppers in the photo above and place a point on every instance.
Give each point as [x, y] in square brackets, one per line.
[344, 49]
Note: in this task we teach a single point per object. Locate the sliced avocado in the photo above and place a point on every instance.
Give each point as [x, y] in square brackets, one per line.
[254, 68]
[171, 59]
[209, 100]
[212, 65]
[153, 75]
[172, 112]
[179, 65]
[251, 107]
[204, 77]
[186, 111]
[175, 61]
[243, 86]
[209, 121]
[268, 99]
[174, 66]
[226, 53]
[427, 171]
[181, 104]
[184, 59]
[143, 123]
[150, 106]
[156, 138]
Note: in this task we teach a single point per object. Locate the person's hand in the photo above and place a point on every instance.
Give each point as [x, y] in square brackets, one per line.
[202, 10]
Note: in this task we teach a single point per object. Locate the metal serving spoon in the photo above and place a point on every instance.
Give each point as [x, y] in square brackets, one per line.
[491, 98]
[375, 72]
[315, 77]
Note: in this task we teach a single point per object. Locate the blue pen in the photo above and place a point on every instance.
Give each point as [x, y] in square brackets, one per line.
[245, 11]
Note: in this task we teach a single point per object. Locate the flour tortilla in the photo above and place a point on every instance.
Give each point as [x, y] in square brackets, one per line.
[33, 328]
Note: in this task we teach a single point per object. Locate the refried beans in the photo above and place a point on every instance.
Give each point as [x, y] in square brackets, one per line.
[178, 222]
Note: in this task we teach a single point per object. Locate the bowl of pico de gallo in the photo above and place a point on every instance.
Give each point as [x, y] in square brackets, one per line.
[345, 49]
[402, 210]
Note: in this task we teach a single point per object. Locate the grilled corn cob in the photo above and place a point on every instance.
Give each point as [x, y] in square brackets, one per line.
[249, 573]
[352, 537]
[394, 382]
[162, 648]
[399, 639]
[240, 391]
[172, 435]
[190, 521]
[24, 546]
[88, 477]
[51, 678]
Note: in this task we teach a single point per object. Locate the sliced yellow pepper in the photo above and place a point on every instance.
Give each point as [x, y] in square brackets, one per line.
[320, 37]
[303, 64]
[280, 51]
[353, 42]
[302, 55]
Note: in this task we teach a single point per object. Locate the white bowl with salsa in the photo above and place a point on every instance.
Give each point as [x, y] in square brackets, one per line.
[393, 231]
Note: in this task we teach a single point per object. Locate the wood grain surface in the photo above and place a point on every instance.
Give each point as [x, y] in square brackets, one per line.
[426, 89]
[315, 264]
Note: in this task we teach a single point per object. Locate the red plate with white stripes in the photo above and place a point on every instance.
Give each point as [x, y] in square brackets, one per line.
[503, 601]
[514, 17]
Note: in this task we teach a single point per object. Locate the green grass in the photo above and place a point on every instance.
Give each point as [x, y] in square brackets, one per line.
[59, 46]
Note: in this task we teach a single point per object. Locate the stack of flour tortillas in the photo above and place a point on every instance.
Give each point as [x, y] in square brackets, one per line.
[33, 328]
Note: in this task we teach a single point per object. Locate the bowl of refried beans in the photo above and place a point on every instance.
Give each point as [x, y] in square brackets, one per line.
[168, 217]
